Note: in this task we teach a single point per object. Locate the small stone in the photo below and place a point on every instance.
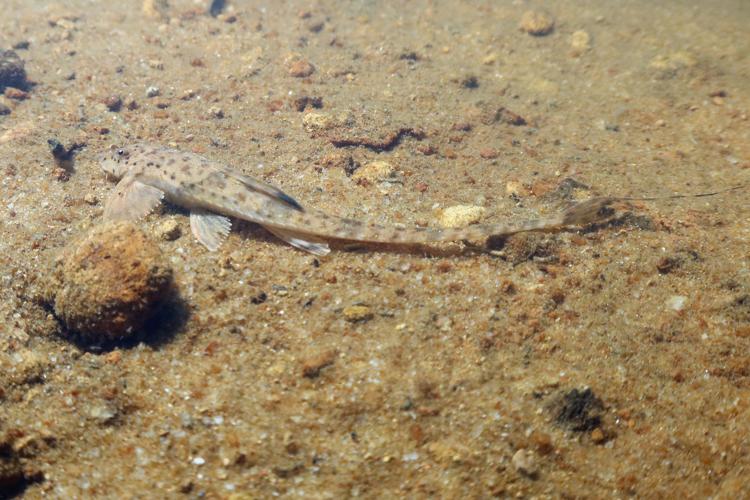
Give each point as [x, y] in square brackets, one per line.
[489, 153]
[489, 59]
[461, 215]
[580, 42]
[113, 103]
[373, 172]
[516, 188]
[169, 230]
[470, 82]
[537, 23]
[667, 264]
[91, 199]
[313, 122]
[102, 413]
[152, 91]
[597, 436]
[542, 441]
[341, 160]
[188, 94]
[4, 110]
[311, 367]
[17, 94]
[673, 62]
[106, 285]
[524, 462]
[301, 68]
[12, 72]
[357, 313]
[676, 302]
[216, 7]
[216, 112]
[156, 9]
[156, 64]
[302, 102]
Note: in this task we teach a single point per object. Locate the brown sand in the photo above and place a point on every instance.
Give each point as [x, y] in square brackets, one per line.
[458, 380]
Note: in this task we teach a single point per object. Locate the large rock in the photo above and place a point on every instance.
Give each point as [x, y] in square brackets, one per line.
[108, 284]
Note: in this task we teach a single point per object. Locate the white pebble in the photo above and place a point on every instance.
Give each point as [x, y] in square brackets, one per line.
[524, 462]
[676, 302]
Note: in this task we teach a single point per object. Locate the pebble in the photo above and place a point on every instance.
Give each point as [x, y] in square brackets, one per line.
[305, 101]
[516, 188]
[113, 103]
[461, 215]
[313, 122]
[580, 42]
[4, 110]
[91, 199]
[673, 62]
[107, 284]
[489, 153]
[156, 9]
[524, 462]
[357, 313]
[373, 172]
[677, 302]
[537, 23]
[102, 413]
[340, 160]
[311, 367]
[17, 94]
[169, 230]
[597, 436]
[12, 72]
[216, 112]
[152, 91]
[301, 68]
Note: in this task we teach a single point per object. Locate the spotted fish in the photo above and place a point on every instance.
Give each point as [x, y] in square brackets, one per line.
[214, 192]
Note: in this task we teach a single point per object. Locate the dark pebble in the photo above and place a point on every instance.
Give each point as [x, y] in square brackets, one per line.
[579, 410]
[217, 6]
[470, 82]
[57, 149]
[12, 72]
[303, 102]
[113, 103]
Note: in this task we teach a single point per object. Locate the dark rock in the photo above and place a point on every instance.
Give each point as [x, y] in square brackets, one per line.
[579, 411]
[12, 72]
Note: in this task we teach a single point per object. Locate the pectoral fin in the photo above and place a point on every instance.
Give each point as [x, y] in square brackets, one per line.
[209, 228]
[132, 200]
[302, 241]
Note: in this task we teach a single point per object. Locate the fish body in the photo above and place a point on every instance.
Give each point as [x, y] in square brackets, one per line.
[213, 192]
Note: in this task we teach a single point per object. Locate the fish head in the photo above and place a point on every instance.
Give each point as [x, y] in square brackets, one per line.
[114, 162]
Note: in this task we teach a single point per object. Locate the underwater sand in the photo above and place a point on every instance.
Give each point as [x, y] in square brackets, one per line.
[608, 362]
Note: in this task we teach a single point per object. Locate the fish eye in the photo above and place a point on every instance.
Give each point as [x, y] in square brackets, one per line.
[120, 152]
